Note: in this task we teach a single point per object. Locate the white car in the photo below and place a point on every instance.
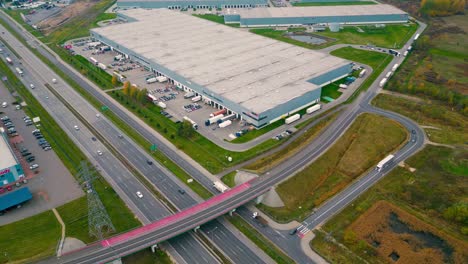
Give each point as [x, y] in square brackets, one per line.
[34, 166]
[139, 194]
[99, 153]
[32, 86]
[4, 104]
[76, 128]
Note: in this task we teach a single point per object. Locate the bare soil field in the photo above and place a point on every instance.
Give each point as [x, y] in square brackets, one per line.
[400, 237]
[69, 12]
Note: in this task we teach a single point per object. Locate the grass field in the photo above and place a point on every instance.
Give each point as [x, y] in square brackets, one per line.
[280, 35]
[431, 193]
[367, 141]
[262, 165]
[229, 179]
[378, 61]
[449, 127]
[337, 3]
[390, 36]
[147, 257]
[269, 248]
[216, 19]
[71, 156]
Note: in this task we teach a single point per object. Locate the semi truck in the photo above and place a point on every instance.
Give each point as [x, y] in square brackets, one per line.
[120, 76]
[292, 118]
[19, 71]
[222, 111]
[9, 61]
[196, 98]
[313, 108]
[362, 73]
[220, 186]
[395, 67]
[382, 82]
[93, 61]
[194, 124]
[383, 163]
[213, 120]
[262, 221]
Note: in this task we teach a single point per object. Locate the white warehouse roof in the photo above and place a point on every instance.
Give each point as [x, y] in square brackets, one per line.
[254, 71]
[317, 11]
[6, 157]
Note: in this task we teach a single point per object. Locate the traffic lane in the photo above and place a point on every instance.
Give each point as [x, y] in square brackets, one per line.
[237, 252]
[189, 250]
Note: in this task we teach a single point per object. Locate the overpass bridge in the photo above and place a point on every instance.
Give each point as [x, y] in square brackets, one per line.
[144, 237]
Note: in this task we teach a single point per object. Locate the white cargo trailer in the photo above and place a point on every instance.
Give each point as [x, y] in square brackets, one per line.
[395, 67]
[161, 79]
[194, 124]
[162, 105]
[225, 124]
[213, 120]
[102, 66]
[388, 74]
[94, 44]
[416, 37]
[220, 186]
[93, 61]
[382, 82]
[384, 162]
[313, 108]
[189, 95]
[151, 80]
[19, 71]
[344, 86]
[196, 98]
[362, 73]
[292, 118]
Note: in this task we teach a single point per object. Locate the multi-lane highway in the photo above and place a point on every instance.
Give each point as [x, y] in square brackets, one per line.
[277, 174]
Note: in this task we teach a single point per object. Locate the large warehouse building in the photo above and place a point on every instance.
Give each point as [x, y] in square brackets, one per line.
[185, 4]
[259, 79]
[10, 168]
[310, 15]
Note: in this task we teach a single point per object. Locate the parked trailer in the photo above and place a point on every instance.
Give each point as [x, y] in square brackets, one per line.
[405, 53]
[344, 86]
[213, 120]
[228, 117]
[382, 82]
[152, 98]
[162, 105]
[9, 61]
[118, 57]
[120, 76]
[94, 44]
[93, 61]
[220, 186]
[313, 108]
[388, 74]
[395, 67]
[196, 98]
[19, 71]
[104, 48]
[194, 124]
[102, 66]
[222, 111]
[362, 73]
[382, 164]
[416, 37]
[161, 79]
[189, 95]
[151, 80]
[225, 124]
[292, 118]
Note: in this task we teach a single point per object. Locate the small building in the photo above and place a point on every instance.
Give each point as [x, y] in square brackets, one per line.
[186, 4]
[10, 168]
[311, 15]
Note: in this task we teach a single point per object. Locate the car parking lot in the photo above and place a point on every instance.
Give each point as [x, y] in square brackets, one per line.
[50, 182]
[176, 107]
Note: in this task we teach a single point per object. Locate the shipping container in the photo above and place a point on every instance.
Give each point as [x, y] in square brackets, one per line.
[196, 98]
[222, 111]
[313, 108]
[225, 124]
[292, 118]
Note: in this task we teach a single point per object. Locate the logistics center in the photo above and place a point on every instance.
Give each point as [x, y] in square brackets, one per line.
[10, 168]
[310, 15]
[261, 80]
[185, 4]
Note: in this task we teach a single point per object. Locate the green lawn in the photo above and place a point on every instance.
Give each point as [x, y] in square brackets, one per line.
[216, 19]
[378, 61]
[30, 239]
[337, 3]
[229, 179]
[269, 248]
[438, 184]
[369, 139]
[390, 36]
[449, 127]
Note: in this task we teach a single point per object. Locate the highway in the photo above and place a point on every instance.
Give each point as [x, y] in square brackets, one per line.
[281, 172]
[35, 72]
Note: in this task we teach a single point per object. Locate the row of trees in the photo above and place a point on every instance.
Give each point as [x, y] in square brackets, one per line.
[134, 93]
[442, 7]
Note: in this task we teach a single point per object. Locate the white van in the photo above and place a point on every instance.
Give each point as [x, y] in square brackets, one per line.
[4, 104]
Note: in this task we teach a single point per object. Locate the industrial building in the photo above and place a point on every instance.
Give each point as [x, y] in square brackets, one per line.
[10, 168]
[310, 15]
[259, 79]
[185, 4]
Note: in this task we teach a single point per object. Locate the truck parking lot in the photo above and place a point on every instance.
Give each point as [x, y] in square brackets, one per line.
[50, 182]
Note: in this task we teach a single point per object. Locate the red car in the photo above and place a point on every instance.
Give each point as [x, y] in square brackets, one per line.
[9, 188]
[2, 190]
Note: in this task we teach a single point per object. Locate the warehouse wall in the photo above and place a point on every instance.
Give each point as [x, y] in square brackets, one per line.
[192, 4]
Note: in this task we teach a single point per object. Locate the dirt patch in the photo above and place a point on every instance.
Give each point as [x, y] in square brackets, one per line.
[399, 237]
[67, 13]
